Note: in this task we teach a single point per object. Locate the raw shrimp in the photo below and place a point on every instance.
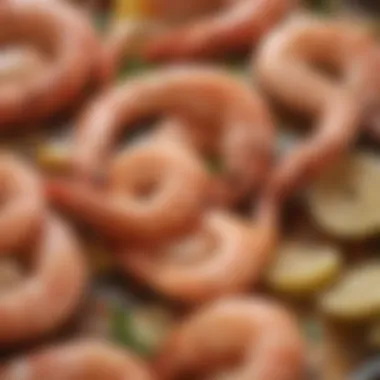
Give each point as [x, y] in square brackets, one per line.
[83, 360]
[51, 292]
[237, 26]
[154, 191]
[224, 255]
[285, 69]
[209, 98]
[23, 204]
[235, 339]
[67, 39]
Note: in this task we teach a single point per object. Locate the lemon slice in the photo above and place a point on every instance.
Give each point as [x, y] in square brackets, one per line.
[303, 267]
[357, 295]
[346, 199]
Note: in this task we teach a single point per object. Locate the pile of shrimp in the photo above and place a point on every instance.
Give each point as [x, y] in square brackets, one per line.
[197, 238]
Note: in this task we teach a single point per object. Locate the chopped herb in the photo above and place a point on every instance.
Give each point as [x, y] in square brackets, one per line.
[133, 67]
[237, 67]
[313, 331]
[214, 165]
[101, 22]
[322, 6]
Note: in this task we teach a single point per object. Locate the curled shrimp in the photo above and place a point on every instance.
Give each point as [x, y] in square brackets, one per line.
[235, 339]
[223, 255]
[285, 69]
[23, 203]
[154, 192]
[52, 291]
[68, 41]
[238, 25]
[210, 99]
[83, 360]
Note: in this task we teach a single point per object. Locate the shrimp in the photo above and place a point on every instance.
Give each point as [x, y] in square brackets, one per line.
[21, 63]
[52, 291]
[23, 202]
[372, 117]
[237, 339]
[180, 10]
[284, 68]
[154, 192]
[210, 99]
[68, 41]
[236, 27]
[223, 255]
[81, 360]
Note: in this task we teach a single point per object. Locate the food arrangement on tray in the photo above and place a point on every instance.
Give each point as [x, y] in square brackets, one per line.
[191, 190]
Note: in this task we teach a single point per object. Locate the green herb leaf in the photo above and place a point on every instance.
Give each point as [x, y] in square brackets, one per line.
[323, 6]
[134, 67]
[214, 165]
[123, 331]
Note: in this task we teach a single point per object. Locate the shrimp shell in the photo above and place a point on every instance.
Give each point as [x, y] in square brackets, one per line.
[227, 256]
[48, 297]
[24, 207]
[209, 98]
[285, 69]
[258, 339]
[154, 192]
[64, 34]
[83, 360]
[239, 25]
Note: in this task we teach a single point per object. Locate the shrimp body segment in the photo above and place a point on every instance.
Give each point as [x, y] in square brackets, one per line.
[52, 291]
[224, 255]
[23, 209]
[286, 69]
[210, 99]
[84, 360]
[67, 39]
[237, 26]
[237, 339]
[154, 191]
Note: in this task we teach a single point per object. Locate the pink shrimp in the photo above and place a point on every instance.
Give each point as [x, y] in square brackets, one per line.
[49, 296]
[210, 99]
[224, 255]
[154, 192]
[180, 10]
[236, 27]
[372, 117]
[235, 339]
[83, 360]
[20, 64]
[66, 37]
[23, 203]
[285, 69]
